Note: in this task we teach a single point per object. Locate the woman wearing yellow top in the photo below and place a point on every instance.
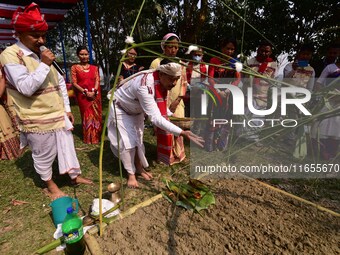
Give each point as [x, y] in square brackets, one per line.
[170, 149]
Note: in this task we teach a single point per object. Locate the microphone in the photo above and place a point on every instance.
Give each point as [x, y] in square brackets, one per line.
[56, 66]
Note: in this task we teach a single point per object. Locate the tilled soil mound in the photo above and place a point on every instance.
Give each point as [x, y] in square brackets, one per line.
[248, 218]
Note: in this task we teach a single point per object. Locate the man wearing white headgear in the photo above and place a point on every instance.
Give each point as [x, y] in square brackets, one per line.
[135, 97]
[170, 46]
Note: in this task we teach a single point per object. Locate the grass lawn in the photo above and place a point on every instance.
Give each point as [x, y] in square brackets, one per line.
[27, 226]
[25, 215]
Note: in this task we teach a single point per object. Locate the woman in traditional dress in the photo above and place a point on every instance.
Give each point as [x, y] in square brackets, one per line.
[221, 71]
[170, 149]
[86, 81]
[9, 134]
[129, 67]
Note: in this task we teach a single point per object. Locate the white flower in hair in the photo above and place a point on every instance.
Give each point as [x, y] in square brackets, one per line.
[238, 67]
[123, 51]
[192, 48]
[129, 40]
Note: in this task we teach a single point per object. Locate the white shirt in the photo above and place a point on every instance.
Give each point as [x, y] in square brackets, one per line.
[28, 83]
[137, 96]
[328, 70]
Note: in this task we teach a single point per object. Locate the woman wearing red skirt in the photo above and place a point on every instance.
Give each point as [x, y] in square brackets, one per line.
[86, 81]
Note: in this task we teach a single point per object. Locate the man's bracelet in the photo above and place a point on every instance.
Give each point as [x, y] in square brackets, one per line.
[85, 92]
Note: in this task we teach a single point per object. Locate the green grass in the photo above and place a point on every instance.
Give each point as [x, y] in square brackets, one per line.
[27, 227]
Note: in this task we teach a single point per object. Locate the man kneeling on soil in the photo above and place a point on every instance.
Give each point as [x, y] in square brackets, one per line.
[135, 96]
[40, 98]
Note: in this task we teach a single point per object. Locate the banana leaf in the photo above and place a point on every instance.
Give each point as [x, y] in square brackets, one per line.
[192, 196]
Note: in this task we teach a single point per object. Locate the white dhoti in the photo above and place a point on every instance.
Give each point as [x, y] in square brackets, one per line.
[45, 147]
[129, 138]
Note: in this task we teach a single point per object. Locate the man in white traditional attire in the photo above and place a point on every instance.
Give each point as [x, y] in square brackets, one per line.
[145, 92]
[40, 99]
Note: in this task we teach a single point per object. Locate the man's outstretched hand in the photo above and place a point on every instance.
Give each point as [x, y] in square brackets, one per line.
[194, 138]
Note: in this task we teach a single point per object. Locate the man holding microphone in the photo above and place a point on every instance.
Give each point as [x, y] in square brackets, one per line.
[40, 99]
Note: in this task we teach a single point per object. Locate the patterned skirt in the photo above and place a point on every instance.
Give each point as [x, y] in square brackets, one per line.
[9, 136]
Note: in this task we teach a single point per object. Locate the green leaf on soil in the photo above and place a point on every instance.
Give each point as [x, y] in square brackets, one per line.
[194, 195]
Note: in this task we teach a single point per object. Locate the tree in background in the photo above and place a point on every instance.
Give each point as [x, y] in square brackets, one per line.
[286, 23]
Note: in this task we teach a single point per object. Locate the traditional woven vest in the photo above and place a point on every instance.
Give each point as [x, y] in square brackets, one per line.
[302, 76]
[261, 86]
[43, 111]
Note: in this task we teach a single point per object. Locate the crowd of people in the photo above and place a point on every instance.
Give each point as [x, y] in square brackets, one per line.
[38, 107]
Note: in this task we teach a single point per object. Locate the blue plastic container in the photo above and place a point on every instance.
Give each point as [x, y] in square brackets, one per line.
[59, 208]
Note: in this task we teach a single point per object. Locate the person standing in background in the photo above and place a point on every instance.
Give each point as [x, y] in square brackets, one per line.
[9, 133]
[40, 100]
[86, 81]
[264, 64]
[172, 151]
[197, 74]
[129, 67]
[332, 53]
[300, 72]
[326, 133]
[221, 71]
[170, 47]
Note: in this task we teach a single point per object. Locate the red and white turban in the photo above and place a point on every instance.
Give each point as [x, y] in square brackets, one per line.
[166, 37]
[29, 19]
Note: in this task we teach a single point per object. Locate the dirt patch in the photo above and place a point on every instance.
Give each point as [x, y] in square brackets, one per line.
[248, 218]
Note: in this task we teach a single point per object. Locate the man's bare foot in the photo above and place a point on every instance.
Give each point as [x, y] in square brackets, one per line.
[132, 181]
[53, 191]
[82, 180]
[146, 175]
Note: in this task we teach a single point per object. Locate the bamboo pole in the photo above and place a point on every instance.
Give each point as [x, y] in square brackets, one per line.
[300, 199]
[92, 244]
[126, 213]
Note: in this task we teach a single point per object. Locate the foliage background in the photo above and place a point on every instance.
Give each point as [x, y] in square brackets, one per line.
[286, 23]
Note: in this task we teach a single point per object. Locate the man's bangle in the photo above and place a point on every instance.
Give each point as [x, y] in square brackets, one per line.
[85, 92]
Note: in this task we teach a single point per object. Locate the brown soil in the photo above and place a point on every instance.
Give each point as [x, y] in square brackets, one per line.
[248, 218]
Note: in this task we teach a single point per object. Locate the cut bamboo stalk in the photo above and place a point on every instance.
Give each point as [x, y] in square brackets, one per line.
[319, 207]
[92, 245]
[128, 212]
[49, 246]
